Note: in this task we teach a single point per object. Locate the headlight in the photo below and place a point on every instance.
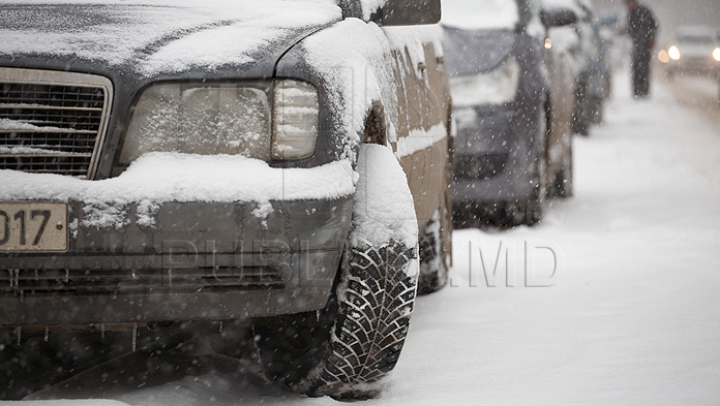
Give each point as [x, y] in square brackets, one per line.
[663, 56]
[495, 87]
[199, 119]
[210, 119]
[295, 120]
[674, 53]
[716, 54]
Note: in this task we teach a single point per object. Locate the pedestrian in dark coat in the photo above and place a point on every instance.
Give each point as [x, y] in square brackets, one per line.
[642, 28]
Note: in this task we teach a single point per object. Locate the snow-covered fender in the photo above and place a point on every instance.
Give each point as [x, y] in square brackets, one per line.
[361, 70]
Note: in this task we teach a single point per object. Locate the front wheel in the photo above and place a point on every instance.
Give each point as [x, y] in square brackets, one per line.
[347, 349]
[562, 184]
[530, 212]
[434, 253]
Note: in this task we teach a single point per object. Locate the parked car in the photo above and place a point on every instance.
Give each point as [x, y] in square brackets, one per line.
[694, 50]
[590, 91]
[608, 23]
[504, 102]
[276, 161]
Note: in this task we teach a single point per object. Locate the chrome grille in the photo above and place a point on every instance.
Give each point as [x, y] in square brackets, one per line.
[52, 122]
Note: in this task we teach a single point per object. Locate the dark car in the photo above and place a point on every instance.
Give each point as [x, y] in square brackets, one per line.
[591, 54]
[505, 98]
[275, 162]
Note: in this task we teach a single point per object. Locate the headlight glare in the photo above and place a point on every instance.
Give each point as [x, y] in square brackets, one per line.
[716, 54]
[295, 120]
[674, 53]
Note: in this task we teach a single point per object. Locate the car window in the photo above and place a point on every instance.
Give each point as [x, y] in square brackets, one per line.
[475, 51]
[481, 14]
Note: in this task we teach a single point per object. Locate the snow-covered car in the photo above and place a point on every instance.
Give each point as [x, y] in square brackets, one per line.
[563, 72]
[590, 91]
[693, 50]
[502, 102]
[608, 24]
[282, 162]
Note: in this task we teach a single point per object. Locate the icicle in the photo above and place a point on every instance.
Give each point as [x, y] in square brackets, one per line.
[134, 337]
[22, 296]
[221, 326]
[67, 276]
[47, 333]
[102, 331]
[18, 333]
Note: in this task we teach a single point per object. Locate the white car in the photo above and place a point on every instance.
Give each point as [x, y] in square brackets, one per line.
[694, 50]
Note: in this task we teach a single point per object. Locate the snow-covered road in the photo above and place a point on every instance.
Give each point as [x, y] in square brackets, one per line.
[634, 317]
[633, 313]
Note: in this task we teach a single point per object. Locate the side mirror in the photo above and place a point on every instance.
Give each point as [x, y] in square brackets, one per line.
[558, 17]
[408, 12]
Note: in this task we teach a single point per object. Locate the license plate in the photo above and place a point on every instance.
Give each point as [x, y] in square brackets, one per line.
[33, 227]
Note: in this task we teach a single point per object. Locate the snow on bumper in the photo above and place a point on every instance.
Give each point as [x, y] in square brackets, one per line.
[179, 244]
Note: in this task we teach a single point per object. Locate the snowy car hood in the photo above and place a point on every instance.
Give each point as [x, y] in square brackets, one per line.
[162, 37]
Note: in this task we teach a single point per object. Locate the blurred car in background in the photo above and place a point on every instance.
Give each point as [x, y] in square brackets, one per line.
[560, 17]
[608, 24]
[694, 50]
[588, 54]
[592, 79]
[503, 102]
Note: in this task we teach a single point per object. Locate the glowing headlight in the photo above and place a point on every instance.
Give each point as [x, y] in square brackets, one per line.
[674, 53]
[495, 87]
[200, 119]
[295, 120]
[716, 54]
[663, 56]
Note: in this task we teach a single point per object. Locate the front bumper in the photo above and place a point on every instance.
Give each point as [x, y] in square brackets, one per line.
[700, 66]
[499, 142]
[190, 261]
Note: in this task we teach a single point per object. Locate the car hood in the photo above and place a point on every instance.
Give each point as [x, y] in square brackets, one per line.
[696, 51]
[159, 38]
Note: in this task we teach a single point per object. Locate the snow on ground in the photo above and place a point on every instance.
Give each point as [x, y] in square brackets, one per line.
[634, 316]
[633, 313]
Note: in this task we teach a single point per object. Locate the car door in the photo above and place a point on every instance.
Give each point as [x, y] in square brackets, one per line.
[423, 114]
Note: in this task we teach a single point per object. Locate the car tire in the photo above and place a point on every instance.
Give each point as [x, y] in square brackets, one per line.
[580, 121]
[434, 251]
[597, 111]
[530, 212]
[534, 207]
[562, 184]
[346, 349]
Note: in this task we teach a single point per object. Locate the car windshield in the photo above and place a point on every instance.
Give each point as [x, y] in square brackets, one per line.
[476, 51]
[481, 14]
